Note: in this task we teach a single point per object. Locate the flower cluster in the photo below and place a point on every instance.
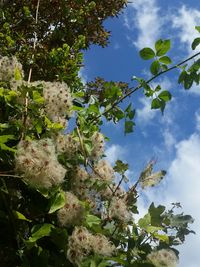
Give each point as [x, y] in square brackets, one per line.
[67, 144]
[72, 213]
[38, 163]
[58, 100]
[163, 258]
[104, 171]
[11, 71]
[118, 209]
[82, 243]
[98, 145]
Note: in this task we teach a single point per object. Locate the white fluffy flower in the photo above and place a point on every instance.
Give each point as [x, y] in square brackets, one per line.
[72, 213]
[163, 258]
[104, 171]
[37, 161]
[67, 144]
[11, 71]
[102, 246]
[79, 245]
[119, 210]
[98, 145]
[58, 100]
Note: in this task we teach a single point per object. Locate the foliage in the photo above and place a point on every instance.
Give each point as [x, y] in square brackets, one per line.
[60, 204]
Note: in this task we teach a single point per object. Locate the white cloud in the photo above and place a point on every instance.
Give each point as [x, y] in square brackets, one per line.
[115, 152]
[195, 89]
[82, 74]
[185, 21]
[197, 118]
[144, 16]
[169, 139]
[182, 185]
[145, 114]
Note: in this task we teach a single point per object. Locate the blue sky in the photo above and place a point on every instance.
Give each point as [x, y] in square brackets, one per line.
[173, 139]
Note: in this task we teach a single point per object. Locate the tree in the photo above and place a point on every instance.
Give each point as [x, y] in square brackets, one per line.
[60, 204]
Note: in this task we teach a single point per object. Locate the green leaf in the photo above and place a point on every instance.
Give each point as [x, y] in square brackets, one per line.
[156, 213]
[120, 167]
[147, 53]
[93, 263]
[197, 28]
[163, 238]
[165, 95]
[39, 231]
[155, 104]
[162, 47]
[130, 112]
[20, 216]
[6, 138]
[195, 43]
[37, 97]
[57, 202]
[155, 67]
[165, 59]
[5, 147]
[92, 220]
[129, 126]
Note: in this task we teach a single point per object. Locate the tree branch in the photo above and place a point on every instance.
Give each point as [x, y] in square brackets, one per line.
[134, 89]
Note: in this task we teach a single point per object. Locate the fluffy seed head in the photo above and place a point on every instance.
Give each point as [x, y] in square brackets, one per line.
[79, 245]
[163, 258]
[119, 210]
[72, 213]
[67, 144]
[98, 145]
[102, 246]
[11, 71]
[37, 161]
[103, 171]
[58, 100]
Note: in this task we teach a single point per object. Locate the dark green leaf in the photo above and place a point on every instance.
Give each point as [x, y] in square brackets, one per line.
[155, 67]
[147, 53]
[195, 43]
[129, 126]
[120, 166]
[156, 213]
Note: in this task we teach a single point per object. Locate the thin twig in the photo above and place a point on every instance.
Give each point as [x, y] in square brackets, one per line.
[134, 89]
[9, 175]
[82, 145]
[30, 74]
[120, 182]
